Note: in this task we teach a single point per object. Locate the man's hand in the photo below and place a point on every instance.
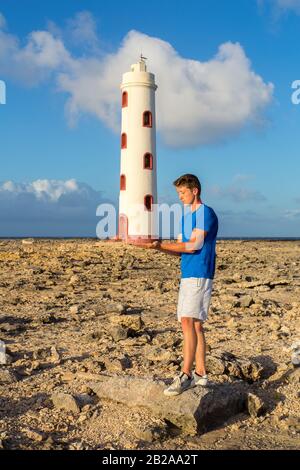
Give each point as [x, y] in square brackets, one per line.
[147, 245]
[156, 245]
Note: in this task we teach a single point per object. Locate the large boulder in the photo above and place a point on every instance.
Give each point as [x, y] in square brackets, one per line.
[195, 410]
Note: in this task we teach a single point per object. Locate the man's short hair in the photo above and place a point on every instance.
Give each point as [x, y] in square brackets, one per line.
[190, 181]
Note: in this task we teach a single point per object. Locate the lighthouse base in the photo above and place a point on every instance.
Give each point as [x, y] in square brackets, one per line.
[142, 240]
[137, 239]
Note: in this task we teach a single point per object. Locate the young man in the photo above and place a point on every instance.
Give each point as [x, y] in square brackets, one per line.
[196, 246]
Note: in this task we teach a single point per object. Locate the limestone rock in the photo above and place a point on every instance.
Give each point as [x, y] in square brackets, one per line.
[74, 280]
[196, 409]
[167, 340]
[55, 356]
[255, 405]
[117, 332]
[34, 435]
[117, 308]
[28, 241]
[117, 365]
[7, 376]
[132, 322]
[160, 354]
[245, 301]
[295, 346]
[295, 358]
[35, 365]
[47, 318]
[219, 363]
[11, 328]
[85, 401]
[41, 354]
[65, 401]
[74, 309]
[293, 422]
[151, 433]
[215, 365]
[293, 376]
[48, 443]
[3, 357]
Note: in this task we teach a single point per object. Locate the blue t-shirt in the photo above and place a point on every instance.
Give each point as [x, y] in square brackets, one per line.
[202, 262]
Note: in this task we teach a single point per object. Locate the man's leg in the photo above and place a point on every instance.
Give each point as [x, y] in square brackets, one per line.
[201, 348]
[189, 344]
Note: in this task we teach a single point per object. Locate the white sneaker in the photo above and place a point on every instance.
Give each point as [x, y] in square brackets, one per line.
[200, 380]
[180, 384]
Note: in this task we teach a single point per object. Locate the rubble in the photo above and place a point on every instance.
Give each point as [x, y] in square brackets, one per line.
[74, 311]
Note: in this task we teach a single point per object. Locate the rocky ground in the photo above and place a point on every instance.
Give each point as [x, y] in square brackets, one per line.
[75, 311]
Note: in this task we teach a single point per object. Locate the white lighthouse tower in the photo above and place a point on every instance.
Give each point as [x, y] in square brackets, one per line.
[138, 181]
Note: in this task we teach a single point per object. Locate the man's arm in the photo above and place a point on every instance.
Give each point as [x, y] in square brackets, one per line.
[177, 248]
[166, 251]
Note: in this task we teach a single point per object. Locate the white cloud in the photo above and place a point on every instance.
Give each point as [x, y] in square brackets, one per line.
[43, 51]
[257, 224]
[288, 5]
[36, 61]
[281, 6]
[50, 190]
[48, 208]
[236, 194]
[197, 102]
[2, 21]
[8, 186]
[82, 30]
[292, 213]
[241, 178]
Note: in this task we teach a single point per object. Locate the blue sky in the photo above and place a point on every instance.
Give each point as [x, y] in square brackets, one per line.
[62, 65]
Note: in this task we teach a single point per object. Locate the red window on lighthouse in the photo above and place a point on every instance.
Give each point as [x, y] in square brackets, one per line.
[124, 99]
[124, 141]
[148, 202]
[123, 227]
[148, 161]
[123, 182]
[147, 119]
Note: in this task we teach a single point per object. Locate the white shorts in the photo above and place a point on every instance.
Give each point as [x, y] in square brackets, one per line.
[194, 298]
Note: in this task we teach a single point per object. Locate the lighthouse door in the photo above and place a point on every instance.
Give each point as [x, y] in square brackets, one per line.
[123, 227]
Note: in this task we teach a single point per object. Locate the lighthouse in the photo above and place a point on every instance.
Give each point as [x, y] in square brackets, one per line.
[138, 180]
